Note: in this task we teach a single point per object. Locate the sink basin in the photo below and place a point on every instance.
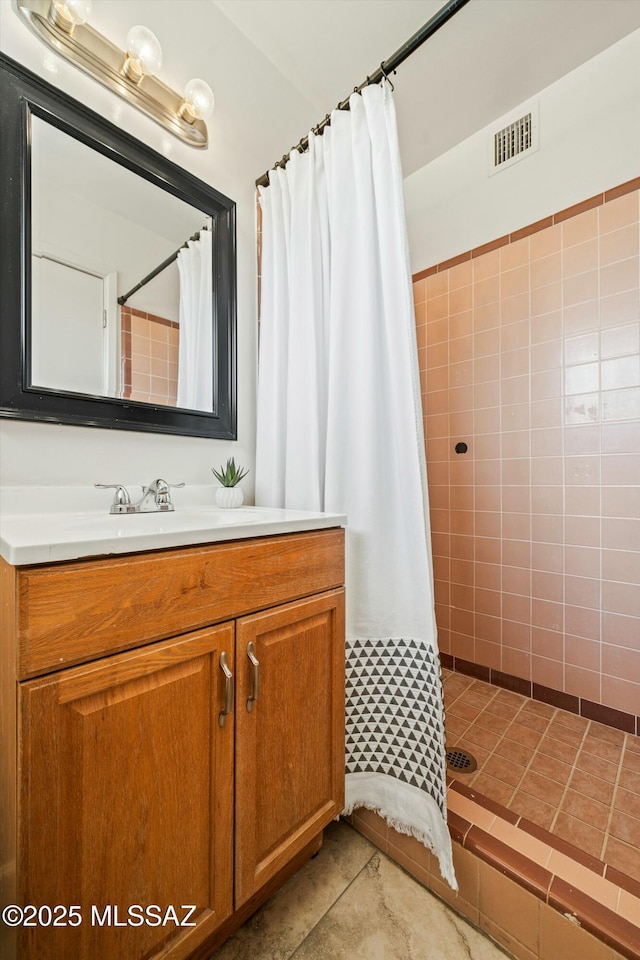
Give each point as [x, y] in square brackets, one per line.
[45, 537]
[187, 518]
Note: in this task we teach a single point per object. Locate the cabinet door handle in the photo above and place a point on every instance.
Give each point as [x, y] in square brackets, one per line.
[228, 690]
[255, 663]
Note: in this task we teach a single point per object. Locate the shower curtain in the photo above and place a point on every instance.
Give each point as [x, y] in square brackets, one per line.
[340, 429]
[195, 383]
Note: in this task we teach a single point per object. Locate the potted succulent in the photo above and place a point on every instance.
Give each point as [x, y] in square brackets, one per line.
[229, 494]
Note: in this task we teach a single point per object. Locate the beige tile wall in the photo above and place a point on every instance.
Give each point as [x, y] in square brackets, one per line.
[530, 353]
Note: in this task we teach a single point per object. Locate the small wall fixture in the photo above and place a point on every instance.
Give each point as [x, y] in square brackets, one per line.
[62, 25]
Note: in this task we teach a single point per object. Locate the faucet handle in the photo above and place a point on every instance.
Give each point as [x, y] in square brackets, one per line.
[160, 488]
[161, 485]
[163, 495]
[121, 499]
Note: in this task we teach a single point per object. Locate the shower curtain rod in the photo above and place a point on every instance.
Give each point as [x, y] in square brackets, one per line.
[386, 67]
[154, 273]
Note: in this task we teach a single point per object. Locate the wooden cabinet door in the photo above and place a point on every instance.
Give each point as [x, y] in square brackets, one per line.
[126, 797]
[290, 744]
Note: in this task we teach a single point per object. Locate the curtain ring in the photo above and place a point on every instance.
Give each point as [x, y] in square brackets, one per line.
[385, 76]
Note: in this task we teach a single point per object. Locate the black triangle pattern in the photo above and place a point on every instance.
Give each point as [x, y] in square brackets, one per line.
[394, 707]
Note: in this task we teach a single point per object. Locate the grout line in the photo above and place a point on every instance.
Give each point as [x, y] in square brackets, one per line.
[600, 429]
[563, 426]
[616, 786]
[573, 769]
[496, 747]
[535, 753]
[515, 787]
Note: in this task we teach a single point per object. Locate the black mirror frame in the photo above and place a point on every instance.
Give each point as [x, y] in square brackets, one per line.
[23, 94]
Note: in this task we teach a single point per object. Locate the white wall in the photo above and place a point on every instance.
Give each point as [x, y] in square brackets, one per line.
[91, 237]
[161, 295]
[197, 41]
[589, 142]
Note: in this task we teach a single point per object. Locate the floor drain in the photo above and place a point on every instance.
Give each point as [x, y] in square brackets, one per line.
[461, 760]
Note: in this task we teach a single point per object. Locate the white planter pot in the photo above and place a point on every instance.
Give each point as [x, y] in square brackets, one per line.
[229, 497]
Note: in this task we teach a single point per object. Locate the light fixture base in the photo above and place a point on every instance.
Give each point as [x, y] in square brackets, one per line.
[132, 70]
[60, 19]
[103, 60]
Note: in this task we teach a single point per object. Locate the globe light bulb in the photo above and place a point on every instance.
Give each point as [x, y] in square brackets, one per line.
[68, 14]
[199, 100]
[144, 53]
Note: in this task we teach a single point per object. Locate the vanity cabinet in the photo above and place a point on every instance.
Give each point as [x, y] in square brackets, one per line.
[135, 788]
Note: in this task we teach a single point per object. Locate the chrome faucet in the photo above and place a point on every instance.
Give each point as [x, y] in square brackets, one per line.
[155, 498]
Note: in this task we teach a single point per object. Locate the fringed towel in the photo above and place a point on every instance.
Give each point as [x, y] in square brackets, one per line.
[394, 740]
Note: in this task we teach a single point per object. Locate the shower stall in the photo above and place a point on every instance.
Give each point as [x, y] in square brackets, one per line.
[529, 351]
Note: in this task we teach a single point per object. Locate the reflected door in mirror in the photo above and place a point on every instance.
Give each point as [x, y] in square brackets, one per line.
[68, 328]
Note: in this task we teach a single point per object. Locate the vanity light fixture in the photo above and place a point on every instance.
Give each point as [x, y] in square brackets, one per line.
[62, 25]
[144, 54]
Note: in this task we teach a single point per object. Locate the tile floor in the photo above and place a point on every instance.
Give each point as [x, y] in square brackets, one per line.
[575, 778]
[578, 779]
[351, 902]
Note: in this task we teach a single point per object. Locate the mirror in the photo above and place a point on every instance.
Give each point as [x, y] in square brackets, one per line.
[114, 263]
[122, 310]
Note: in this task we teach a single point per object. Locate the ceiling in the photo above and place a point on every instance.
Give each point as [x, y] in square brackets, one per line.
[277, 67]
[492, 56]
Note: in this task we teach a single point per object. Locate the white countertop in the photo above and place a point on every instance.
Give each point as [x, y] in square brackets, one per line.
[35, 527]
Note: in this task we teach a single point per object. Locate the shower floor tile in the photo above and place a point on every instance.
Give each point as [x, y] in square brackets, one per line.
[577, 779]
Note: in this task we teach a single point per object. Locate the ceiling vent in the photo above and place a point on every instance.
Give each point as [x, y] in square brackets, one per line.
[514, 140]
